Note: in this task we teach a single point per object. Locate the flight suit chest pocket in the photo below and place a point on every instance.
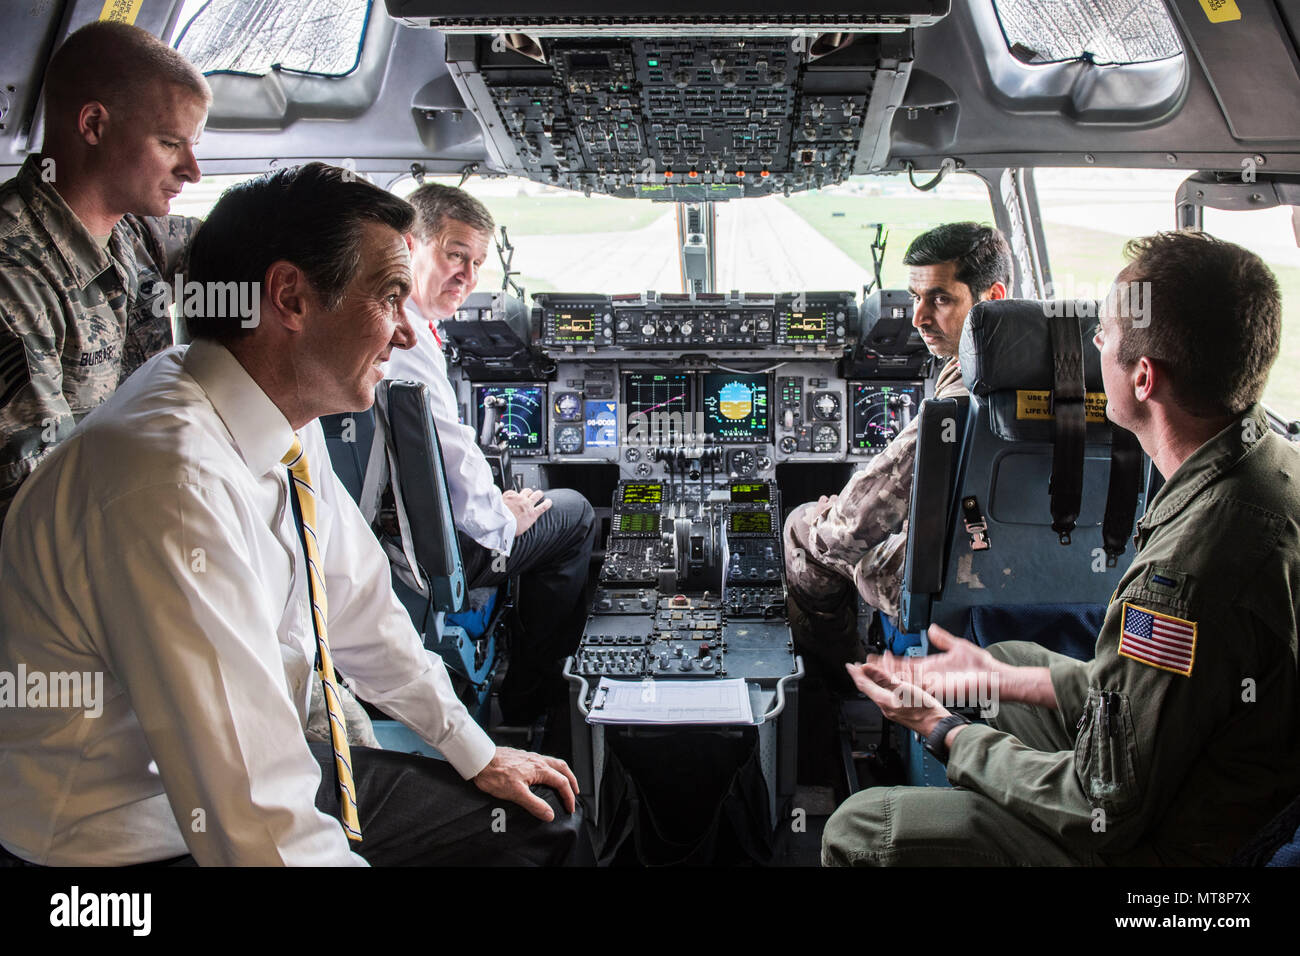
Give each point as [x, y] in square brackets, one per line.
[1105, 753]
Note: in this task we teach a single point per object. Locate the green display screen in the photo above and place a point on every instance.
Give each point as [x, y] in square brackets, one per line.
[647, 494]
[747, 491]
[638, 523]
[751, 522]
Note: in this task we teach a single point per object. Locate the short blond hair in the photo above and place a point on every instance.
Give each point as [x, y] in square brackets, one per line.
[116, 64]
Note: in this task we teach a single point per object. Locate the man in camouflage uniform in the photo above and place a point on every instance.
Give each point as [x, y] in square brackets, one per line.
[857, 539]
[1181, 738]
[87, 248]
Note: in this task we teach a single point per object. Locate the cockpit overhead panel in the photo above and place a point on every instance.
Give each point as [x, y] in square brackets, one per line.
[681, 117]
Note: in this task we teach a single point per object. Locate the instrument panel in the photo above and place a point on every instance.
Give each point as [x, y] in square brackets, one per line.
[738, 382]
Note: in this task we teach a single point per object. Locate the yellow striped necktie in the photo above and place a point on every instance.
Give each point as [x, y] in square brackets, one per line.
[304, 498]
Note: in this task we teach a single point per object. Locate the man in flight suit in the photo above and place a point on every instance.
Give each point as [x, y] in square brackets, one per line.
[1181, 737]
[853, 543]
[87, 248]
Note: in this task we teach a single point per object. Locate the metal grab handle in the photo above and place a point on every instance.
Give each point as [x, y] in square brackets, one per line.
[583, 686]
[779, 704]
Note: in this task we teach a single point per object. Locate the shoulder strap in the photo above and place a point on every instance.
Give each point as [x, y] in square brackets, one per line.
[1122, 494]
[1069, 414]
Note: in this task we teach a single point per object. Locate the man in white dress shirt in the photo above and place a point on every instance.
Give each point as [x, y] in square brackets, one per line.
[156, 553]
[544, 538]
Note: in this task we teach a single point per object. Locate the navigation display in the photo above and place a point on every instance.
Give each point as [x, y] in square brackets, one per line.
[602, 424]
[735, 407]
[881, 411]
[523, 416]
[659, 407]
[650, 493]
[574, 326]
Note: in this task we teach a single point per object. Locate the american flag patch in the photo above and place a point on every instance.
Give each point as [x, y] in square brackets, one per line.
[1160, 640]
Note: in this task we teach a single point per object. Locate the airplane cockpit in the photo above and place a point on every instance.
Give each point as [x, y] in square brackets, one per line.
[696, 315]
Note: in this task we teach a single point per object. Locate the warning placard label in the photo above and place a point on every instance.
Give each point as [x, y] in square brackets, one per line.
[1038, 405]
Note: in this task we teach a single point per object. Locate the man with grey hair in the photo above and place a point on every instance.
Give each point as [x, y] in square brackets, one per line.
[86, 242]
[545, 538]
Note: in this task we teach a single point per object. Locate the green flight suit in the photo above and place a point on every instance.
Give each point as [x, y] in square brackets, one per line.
[75, 320]
[1179, 740]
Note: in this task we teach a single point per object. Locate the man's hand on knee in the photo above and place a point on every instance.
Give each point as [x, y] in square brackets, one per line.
[527, 506]
[511, 772]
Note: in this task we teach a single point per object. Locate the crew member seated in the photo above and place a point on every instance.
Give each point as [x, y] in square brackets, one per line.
[857, 539]
[546, 539]
[1181, 737]
[189, 553]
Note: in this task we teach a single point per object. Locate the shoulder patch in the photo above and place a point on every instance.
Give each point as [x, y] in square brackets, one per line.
[1166, 581]
[1157, 639]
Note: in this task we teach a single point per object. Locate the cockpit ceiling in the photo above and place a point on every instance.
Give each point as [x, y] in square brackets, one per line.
[577, 99]
[667, 17]
[683, 118]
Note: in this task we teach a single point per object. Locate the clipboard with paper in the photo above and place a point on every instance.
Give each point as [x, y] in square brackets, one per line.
[671, 702]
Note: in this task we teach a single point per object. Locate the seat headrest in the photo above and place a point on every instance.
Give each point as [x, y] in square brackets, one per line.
[1007, 344]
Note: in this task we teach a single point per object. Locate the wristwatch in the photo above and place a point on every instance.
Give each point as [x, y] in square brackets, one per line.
[935, 741]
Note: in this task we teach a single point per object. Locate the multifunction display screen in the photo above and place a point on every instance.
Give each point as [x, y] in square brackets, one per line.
[523, 414]
[659, 407]
[736, 407]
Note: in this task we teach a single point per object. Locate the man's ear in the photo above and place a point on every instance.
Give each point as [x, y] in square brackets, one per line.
[410, 241]
[1145, 376]
[997, 290]
[93, 122]
[287, 296]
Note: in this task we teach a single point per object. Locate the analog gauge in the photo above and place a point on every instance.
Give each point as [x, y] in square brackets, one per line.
[789, 445]
[632, 454]
[742, 463]
[644, 470]
[764, 463]
[826, 438]
[827, 406]
[567, 407]
[568, 439]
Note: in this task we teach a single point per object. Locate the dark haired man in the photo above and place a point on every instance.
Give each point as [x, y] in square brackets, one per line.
[1181, 737]
[191, 543]
[854, 542]
[86, 244]
[545, 539]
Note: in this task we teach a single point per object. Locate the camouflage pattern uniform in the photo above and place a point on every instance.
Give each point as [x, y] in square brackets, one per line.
[858, 539]
[1162, 750]
[75, 320]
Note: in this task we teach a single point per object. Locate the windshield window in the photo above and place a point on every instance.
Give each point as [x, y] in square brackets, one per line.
[307, 36]
[566, 242]
[845, 217]
[1103, 31]
[1269, 233]
[1088, 214]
